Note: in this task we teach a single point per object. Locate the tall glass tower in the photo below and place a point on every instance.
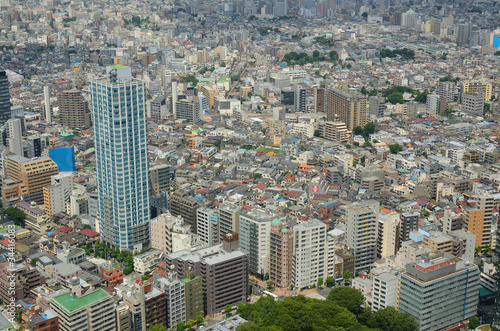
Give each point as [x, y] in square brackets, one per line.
[4, 98]
[119, 116]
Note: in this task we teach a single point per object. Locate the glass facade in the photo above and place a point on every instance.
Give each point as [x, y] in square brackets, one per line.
[119, 115]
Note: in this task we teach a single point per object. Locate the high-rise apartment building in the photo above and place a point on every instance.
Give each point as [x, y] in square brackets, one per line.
[478, 218]
[120, 134]
[477, 87]
[347, 107]
[255, 229]
[26, 177]
[53, 199]
[473, 103]
[175, 297]
[409, 222]
[13, 128]
[34, 146]
[4, 98]
[336, 131]
[158, 108]
[385, 289]
[74, 111]
[446, 91]
[224, 269]
[309, 260]
[188, 109]
[185, 205]
[388, 233]
[159, 179]
[463, 33]
[207, 225]
[432, 104]
[281, 252]
[229, 218]
[376, 106]
[193, 285]
[361, 220]
[24, 278]
[440, 290]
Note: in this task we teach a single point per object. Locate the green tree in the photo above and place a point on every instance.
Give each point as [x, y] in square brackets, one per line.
[365, 15]
[199, 319]
[227, 309]
[347, 275]
[487, 107]
[473, 322]
[364, 91]
[181, 326]
[266, 312]
[367, 144]
[329, 281]
[369, 129]
[422, 97]
[357, 130]
[320, 281]
[248, 326]
[157, 327]
[316, 53]
[15, 215]
[347, 297]
[189, 324]
[391, 320]
[395, 148]
[395, 98]
[317, 133]
[223, 64]
[235, 78]
[257, 175]
[33, 262]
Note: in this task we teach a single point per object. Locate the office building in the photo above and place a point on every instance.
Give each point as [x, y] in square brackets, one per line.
[346, 107]
[4, 98]
[288, 96]
[229, 219]
[207, 225]
[159, 179]
[440, 291]
[92, 310]
[223, 268]
[473, 103]
[336, 131]
[281, 253]
[255, 229]
[188, 109]
[26, 177]
[308, 260]
[319, 99]
[376, 106]
[146, 304]
[361, 220]
[185, 205]
[74, 110]
[120, 135]
[385, 288]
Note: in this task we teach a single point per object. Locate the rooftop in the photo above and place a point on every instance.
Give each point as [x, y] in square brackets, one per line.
[71, 303]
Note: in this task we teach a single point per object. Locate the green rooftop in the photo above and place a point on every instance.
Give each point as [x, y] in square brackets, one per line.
[187, 280]
[7, 228]
[69, 303]
[118, 66]
[222, 79]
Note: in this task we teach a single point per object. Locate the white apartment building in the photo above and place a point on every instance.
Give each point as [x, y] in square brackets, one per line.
[308, 260]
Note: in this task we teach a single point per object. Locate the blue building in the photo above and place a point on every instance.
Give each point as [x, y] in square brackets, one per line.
[119, 114]
[64, 157]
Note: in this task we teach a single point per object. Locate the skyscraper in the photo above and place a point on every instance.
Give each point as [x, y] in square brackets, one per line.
[119, 113]
[4, 98]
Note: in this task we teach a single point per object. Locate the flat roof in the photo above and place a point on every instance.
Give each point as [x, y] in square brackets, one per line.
[118, 66]
[69, 303]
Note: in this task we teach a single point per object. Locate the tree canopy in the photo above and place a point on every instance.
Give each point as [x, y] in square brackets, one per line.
[395, 148]
[157, 327]
[304, 314]
[15, 215]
